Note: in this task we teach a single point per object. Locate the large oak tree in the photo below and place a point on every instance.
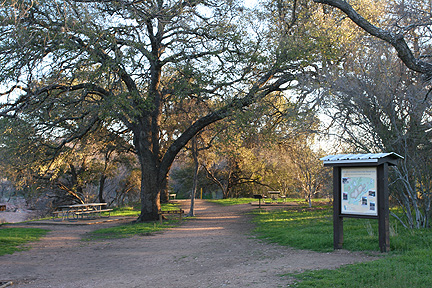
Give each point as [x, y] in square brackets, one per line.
[69, 66]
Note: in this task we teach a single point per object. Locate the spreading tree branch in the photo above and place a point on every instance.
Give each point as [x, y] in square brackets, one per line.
[396, 40]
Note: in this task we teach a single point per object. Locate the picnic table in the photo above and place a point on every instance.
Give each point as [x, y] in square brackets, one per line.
[274, 195]
[77, 211]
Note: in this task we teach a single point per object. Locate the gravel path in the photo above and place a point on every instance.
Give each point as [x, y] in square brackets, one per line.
[214, 250]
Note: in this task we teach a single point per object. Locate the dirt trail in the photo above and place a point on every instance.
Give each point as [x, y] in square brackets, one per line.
[214, 250]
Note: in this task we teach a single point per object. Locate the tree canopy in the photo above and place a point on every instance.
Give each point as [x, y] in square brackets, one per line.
[69, 66]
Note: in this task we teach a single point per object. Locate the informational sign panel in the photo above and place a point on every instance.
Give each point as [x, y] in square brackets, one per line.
[359, 191]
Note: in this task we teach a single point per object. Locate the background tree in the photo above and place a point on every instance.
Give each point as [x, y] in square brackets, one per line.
[310, 175]
[409, 28]
[126, 186]
[380, 105]
[76, 173]
[245, 156]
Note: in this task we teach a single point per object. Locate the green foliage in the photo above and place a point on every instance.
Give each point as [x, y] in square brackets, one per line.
[254, 151]
[14, 239]
[181, 180]
[72, 79]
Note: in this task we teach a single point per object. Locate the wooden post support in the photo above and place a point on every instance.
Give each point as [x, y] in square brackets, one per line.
[383, 208]
[337, 219]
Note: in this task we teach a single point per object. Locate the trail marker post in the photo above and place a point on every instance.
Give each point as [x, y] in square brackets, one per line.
[360, 190]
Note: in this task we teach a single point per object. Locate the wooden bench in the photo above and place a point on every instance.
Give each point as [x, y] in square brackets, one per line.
[61, 215]
[95, 213]
[57, 214]
[105, 210]
[178, 212]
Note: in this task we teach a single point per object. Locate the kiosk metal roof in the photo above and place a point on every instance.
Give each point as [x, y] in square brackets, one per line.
[361, 159]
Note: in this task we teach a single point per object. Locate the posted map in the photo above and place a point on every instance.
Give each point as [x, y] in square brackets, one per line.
[359, 191]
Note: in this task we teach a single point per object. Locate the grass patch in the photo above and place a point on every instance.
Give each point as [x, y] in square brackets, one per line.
[296, 228]
[407, 265]
[409, 270]
[15, 239]
[312, 229]
[125, 211]
[135, 210]
[132, 229]
[236, 201]
[232, 201]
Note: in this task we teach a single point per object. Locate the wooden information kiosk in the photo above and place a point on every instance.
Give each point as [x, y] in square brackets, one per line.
[360, 190]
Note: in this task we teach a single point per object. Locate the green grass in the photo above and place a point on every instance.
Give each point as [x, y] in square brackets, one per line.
[312, 229]
[412, 269]
[236, 201]
[15, 239]
[129, 230]
[232, 201]
[407, 265]
[296, 229]
[134, 210]
[132, 229]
